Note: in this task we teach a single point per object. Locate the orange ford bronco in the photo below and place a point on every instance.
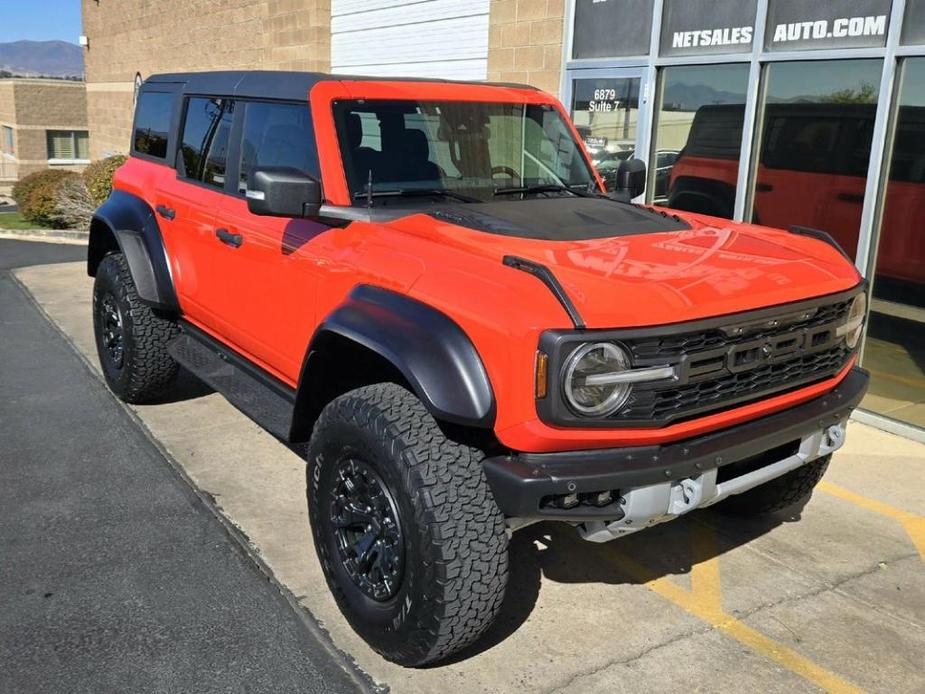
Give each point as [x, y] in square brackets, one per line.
[426, 283]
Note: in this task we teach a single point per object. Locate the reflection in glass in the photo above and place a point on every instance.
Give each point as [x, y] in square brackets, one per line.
[818, 121]
[895, 348]
[698, 138]
[606, 114]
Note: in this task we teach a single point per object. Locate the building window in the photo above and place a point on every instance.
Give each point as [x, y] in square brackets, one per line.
[894, 351]
[204, 146]
[698, 138]
[817, 125]
[605, 111]
[6, 140]
[68, 145]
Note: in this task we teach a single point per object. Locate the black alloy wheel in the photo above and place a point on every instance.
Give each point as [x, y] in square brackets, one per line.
[367, 529]
[112, 330]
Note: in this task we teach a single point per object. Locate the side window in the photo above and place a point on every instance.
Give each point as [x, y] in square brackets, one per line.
[152, 124]
[204, 145]
[277, 135]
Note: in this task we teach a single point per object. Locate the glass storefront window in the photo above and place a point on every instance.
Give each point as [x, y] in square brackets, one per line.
[817, 125]
[698, 137]
[894, 351]
[610, 29]
[605, 111]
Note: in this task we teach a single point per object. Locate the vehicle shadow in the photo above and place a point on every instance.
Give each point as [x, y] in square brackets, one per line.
[186, 387]
[555, 552]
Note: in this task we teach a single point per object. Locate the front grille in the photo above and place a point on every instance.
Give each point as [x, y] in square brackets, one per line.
[672, 347]
[724, 366]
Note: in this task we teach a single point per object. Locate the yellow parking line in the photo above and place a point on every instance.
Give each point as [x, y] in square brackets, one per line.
[913, 524]
[704, 602]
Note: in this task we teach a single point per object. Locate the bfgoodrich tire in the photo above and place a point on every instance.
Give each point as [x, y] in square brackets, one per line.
[411, 542]
[131, 339]
[787, 491]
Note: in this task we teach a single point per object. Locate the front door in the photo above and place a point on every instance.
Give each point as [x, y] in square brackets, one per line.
[267, 268]
[608, 108]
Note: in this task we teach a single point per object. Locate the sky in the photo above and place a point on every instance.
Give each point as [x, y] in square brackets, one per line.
[39, 20]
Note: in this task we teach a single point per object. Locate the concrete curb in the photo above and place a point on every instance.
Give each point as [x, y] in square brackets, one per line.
[67, 236]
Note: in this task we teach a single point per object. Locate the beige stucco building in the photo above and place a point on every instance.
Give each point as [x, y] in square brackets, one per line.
[510, 40]
[43, 123]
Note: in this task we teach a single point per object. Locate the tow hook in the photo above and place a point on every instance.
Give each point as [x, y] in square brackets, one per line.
[832, 439]
[686, 496]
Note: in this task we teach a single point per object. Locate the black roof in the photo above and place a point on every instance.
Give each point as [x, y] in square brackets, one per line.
[277, 84]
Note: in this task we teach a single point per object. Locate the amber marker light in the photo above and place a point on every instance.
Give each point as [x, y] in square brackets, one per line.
[542, 361]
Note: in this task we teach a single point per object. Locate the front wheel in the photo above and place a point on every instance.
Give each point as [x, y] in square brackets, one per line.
[793, 489]
[411, 542]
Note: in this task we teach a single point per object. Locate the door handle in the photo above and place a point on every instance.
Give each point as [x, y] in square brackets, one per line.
[166, 212]
[763, 187]
[851, 197]
[229, 239]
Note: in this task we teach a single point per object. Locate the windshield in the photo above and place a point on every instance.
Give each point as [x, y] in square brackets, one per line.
[470, 151]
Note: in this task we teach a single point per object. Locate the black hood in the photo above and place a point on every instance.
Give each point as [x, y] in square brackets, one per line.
[559, 219]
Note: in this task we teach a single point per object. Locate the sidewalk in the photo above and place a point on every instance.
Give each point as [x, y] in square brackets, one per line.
[835, 601]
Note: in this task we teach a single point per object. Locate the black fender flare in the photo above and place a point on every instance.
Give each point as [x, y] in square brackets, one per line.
[129, 222]
[428, 348]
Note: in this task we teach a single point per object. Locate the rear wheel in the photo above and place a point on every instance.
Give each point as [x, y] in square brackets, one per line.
[790, 490]
[131, 339]
[411, 542]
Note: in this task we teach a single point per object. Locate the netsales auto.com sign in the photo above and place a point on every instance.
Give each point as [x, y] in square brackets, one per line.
[796, 24]
[698, 27]
[820, 29]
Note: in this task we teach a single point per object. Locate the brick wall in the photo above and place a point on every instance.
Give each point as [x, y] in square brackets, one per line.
[32, 107]
[139, 36]
[525, 42]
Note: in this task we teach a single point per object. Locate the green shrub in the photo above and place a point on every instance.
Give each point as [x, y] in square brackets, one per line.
[36, 195]
[98, 177]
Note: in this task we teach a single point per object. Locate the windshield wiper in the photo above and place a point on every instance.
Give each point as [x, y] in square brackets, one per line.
[546, 188]
[416, 192]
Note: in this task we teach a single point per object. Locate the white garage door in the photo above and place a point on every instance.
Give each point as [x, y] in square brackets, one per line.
[412, 38]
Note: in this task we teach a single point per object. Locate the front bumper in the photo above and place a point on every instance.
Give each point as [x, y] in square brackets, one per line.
[523, 483]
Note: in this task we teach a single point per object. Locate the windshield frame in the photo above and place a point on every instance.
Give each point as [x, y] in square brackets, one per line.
[324, 95]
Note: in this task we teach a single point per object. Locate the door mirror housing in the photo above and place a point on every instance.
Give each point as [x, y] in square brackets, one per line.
[630, 180]
[281, 191]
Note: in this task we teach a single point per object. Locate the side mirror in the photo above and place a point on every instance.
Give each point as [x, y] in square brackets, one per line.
[630, 179]
[281, 191]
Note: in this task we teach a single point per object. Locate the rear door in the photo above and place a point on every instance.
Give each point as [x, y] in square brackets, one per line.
[266, 271]
[187, 204]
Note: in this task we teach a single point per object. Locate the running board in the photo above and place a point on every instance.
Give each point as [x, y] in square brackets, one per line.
[261, 397]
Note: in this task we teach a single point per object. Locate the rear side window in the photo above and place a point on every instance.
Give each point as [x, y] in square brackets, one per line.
[716, 132]
[152, 123]
[277, 135]
[204, 145]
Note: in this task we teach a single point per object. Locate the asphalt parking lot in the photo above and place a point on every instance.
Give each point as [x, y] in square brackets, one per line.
[114, 575]
[833, 600]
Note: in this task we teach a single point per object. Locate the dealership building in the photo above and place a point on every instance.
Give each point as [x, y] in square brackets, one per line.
[782, 112]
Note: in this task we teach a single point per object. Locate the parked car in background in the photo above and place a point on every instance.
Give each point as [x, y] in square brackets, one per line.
[812, 172]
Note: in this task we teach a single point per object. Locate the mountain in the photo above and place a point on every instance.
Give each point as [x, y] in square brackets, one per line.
[690, 97]
[48, 58]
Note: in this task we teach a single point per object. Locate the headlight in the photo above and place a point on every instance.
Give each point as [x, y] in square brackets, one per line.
[589, 387]
[853, 326]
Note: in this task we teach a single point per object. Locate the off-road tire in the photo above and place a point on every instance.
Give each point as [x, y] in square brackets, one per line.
[454, 546]
[792, 490]
[146, 370]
